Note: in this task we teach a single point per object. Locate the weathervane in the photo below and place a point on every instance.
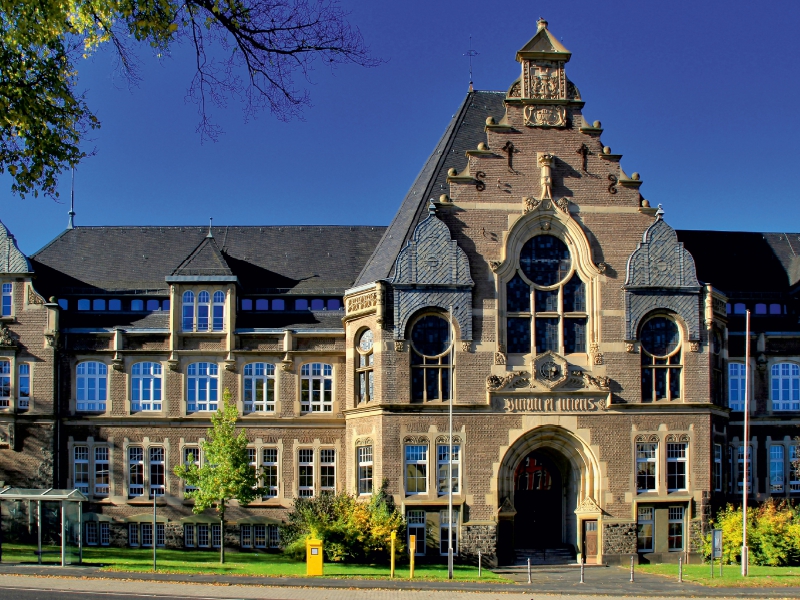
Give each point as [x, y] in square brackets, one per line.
[470, 53]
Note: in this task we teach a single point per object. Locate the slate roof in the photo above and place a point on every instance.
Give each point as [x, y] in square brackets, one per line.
[275, 259]
[12, 260]
[205, 260]
[465, 132]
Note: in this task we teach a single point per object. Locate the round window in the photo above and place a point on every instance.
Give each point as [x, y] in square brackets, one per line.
[431, 335]
[545, 260]
[660, 336]
[365, 343]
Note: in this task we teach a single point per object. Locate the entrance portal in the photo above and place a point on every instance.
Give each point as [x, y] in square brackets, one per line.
[538, 500]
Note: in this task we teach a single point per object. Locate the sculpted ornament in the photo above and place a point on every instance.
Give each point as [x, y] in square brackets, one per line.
[597, 356]
[499, 358]
[545, 164]
[5, 337]
[545, 116]
[494, 265]
[513, 380]
[466, 345]
[630, 347]
[399, 345]
[362, 302]
[529, 205]
[694, 346]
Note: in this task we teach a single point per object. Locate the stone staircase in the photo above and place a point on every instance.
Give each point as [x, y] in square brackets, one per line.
[547, 556]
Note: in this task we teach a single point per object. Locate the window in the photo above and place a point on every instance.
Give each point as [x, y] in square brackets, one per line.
[327, 470]
[216, 536]
[191, 456]
[416, 469]
[91, 386]
[105, 534]
[262, 304]
[5, 383]
[203, 312]
[442, 453]
[202, 536]
[316, 388]
[785, 386]
[269, 467]
[142, 533]
[317, 304]
[63, 303]
[646, 467]
[202, 387]
[415, 520]
[153, 305]
[80, 468]
[146, 386]
[273, 536]
[794, 469]
[157, 471]
[247, 304]
[5, 307]
[676, 466]
[546, 308]
[252, 461]
[305, 463]
[24, 386]
[160, 537]
[661, 360]
[644, 529]
[675, 532]
[775, 309]
[761, 309]
[188, 536]
[259, 387]
[776, 464]
[84, 304]
[301, 304]
[444, 529]
[430, 359]
[278, 304]
[147, 534]
[246, 536]
[364, 371]
[739, 308]
[98, 304]
[740, 465]
[137, 305]
[364, 454]
[114, 305]
[133, 534]
[261, 536]
[736, 386]
[202, 308]
[218, 311]
[101, 471]
[334, 304]
[135, 471]
[717, 467]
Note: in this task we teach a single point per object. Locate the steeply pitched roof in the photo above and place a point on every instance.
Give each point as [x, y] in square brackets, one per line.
[205, 260]
[543, 45]
[465, 132]
[12, 260]
[277, 259]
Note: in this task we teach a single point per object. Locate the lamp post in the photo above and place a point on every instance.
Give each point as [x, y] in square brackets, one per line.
[450, 454]
[745, 474]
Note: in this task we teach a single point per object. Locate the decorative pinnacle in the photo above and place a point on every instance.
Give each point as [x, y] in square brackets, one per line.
[71, 222]
[431, 208]
[210, 221]
[541, 24]
[660, 212]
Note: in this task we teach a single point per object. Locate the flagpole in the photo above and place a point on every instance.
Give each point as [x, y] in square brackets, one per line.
[745, 557]
[450, 454]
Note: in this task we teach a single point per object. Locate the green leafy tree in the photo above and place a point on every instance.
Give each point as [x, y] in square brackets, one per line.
[251, 50]
[226, 472]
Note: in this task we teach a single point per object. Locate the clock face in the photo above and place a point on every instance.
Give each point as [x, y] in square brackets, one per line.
[365, 343]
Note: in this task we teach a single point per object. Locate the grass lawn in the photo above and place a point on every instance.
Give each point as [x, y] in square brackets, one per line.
[731, 575]
[238, 563]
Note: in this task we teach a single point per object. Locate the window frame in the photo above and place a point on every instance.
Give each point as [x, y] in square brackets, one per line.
[442, 468]
[306, 472]
[444, 527]
[80, 477]
[82, 386]
[5, 382]
[794, 472]
[792, 388]
[203, 311]
[737, 373]
[416, 520]
[102, 476]
[252, 381]
[270, 473]
[364, 469]
[642, 458]
[327, 470]
[194, 377]
[717, 472]
[136, 469]
[421, 465]
[777, 467]
[365, 368]
[7, 302]
[651, 363]
[649, 513]
[676, 528]
[24, 385]
[740, 468]
[157, 469]
[316, 388]
[149, 384]
[425, 366]
[677, 466]
[194, 449]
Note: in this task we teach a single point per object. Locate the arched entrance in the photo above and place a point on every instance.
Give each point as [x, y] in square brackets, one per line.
[539, 502]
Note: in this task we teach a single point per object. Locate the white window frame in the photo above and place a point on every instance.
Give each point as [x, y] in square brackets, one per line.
[24, 386]
[218, 311]
[216, 535]
[270, 472]
[91, 379]
[717, 474]
[327, 470]
[677, 459]
[7, 304]
[260, 536]
[645, 516]
[5, 383]
[188, 535]
[794, 473]
[416, 524]
[187, 311]
[273, 536]
[443, 531]
[80, 477]
[442, 450]
[133, 535]
[245, 536]
[415, 455]
[777, 464]
[194, 451]
[647, 453]
[676, 515]
[259, 378]
[736, 386]
[102, 470]
[316, 388]
[203, 535]
[364, 457]
[785, 386]
[161, 535]
[135, 458]
[305, 462]
[105, 534]
[157, 461]
[202, 387]
[146, 535]
[146, 387]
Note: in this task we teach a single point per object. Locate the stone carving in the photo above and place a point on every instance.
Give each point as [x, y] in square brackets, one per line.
[694, 346]
[399, 345]
[499, 358]
[118, 364]
[647, 437]
[364, 442]
[602, 267]
[5, 337]
[630, 347]
[677, 437]
[51, 339]
[495, 264]
[563, 205]
[545, 161]
[582, 378]
[466, 345]
[546, 225]
[444, 439]
[587, 505]
[418, 439]
[33, 297]
[572, 91]
[513, 380]
[173, 364]
[362, 302]
[230, 366]
[550, 369]
[515, 91]
[529, 205]
[287, 363]
[506, 507]
[548, 404]
[545, 116]
[597, 356]
[545, 80]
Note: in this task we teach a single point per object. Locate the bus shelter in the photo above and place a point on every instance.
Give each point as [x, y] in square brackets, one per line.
[50, 504]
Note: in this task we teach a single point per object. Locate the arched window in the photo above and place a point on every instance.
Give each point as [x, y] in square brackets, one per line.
[334, 304]
[201, 387]
[137, 305]
[203, 309]
[364, 371]
[278, 304]
[145, 386]
[262, 304]
[785, 387]
[153, 305]
[316, 388]
[318, 304]
[430, 359]
[188, 311]
[546, 307]
[91, 386]
[247, 304]
[736, 386]
[218, 311]
[84, 304]
[98, 304]
[661, 360]
[114, 304]
[259, 387]
[301, 304]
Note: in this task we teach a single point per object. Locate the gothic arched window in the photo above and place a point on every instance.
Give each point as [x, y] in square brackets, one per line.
[661, 359]
[430, 359]
[546, 301]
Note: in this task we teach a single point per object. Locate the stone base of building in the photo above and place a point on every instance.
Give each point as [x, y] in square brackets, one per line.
[478, 537]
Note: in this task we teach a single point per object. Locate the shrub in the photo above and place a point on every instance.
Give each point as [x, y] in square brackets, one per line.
[352, 530]
[773, 534]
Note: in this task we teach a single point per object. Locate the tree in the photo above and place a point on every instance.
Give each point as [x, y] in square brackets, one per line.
[226, 472]
[248, 49]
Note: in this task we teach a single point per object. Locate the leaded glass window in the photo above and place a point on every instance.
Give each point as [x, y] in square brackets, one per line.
[661, 360]
[365, 375]
[430, 359]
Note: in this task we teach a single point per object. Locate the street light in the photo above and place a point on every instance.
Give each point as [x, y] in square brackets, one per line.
[450, 451]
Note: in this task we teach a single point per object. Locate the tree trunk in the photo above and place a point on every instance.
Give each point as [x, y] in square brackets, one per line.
[222, 533]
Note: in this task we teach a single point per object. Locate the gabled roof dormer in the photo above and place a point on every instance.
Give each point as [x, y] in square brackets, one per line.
[204, 263]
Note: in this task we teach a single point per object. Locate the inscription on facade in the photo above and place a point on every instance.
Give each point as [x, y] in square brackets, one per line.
[549, 405]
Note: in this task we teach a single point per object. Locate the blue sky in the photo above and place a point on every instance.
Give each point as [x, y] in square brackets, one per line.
[699, 97]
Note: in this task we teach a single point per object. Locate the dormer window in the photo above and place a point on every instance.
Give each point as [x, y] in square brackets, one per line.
[204, 312]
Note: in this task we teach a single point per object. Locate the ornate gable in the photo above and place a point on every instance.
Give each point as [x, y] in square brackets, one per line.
[432, 271]
[12, 260]
[661, 274]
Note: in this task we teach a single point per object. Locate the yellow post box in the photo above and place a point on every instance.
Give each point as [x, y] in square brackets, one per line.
[313, 557]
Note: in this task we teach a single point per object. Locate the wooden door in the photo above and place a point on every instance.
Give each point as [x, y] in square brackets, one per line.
[590, 541]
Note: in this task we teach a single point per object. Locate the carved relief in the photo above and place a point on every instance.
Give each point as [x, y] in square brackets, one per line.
[364, 442]
[516, 90]
[630, 347]
[466, 345]
[677, 437]
[529, 205]
[545, 116]
[399, 345]
[443, 439]
[542, 404]
[5, 337]
[563, 205]
[597, 356]
[545, 161]
[33, 297]
[499, 358]
[495, 264]
[546, 80]
[647, 437]
[694, 346]
[513, 380]
[362, 302]
[287, 363]
[415, 439]
[587, 505]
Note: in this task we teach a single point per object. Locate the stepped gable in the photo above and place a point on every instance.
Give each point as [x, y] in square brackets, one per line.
[465, 132]
[12, 260]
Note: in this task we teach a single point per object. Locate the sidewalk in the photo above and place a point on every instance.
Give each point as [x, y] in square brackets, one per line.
[611, 581]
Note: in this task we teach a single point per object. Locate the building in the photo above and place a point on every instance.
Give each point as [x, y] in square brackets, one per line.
[596, 364]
